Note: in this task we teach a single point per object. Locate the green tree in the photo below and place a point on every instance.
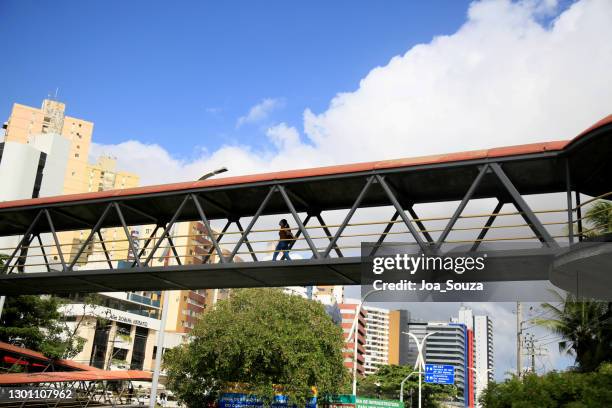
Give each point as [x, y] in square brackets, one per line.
[34, 322]
[385, 384]
[567, 389]
[260, 340]
[599, 218]
[585, 327]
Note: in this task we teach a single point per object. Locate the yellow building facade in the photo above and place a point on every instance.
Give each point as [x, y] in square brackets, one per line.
[26, 121]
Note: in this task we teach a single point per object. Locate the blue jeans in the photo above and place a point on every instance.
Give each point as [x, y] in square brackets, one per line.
[282, 246]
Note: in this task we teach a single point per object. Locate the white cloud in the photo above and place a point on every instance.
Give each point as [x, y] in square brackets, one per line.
[261, 111]
[503, 78]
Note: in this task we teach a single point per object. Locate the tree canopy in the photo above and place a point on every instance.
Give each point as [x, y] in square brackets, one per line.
[259, 341]
[585, 326]
[385, 384]
[34, 322]
[554, 389]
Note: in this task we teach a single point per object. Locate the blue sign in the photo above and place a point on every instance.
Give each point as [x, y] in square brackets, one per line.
[439, 374]
[240, 400]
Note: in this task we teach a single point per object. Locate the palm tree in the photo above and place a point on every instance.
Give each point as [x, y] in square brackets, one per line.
[585, 327]
[599, 217]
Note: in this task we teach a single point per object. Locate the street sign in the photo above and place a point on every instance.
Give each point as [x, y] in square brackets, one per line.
[378, 403]
[439, 374]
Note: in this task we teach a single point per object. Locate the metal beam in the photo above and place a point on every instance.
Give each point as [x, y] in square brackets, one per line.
[402, 214]
[219, 237]
[383, 236]
[522, 206]
[44, 253]
[147, 242]
[247, 242]
[348, 216]
[23, 255]
[108, 260]
[328, 234]
[211, 234]
[299, 232]
[23, 241]
[483, 232]
[466, 198]
[56, 240]
[579, 216]
[419, 224]
[173, 249]
[570, 210]
[167, 229]
[127, 233]
[252, 223]
[90, 236]
[296, 217]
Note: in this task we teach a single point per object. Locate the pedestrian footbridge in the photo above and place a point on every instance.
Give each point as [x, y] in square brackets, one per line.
[535, 193]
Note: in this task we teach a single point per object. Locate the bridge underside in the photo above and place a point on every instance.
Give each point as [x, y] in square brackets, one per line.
[330, 271]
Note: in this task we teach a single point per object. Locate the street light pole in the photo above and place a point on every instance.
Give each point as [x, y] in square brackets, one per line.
[402, 386]
[488, 370]
[420, 361]
[164, 316]
[353, 332]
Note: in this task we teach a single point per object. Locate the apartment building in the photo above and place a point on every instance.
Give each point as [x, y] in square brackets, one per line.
[465, 342]
[385, 343]
[26, 121]
[348, 312]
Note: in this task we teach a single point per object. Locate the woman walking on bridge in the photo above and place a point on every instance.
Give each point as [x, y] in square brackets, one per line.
[285, 240]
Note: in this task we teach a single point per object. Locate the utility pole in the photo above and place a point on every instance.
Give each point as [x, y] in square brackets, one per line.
[519, 339]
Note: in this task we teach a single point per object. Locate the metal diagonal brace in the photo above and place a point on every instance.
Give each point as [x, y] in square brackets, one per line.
[383, 236]
[127, 233]
[166, 230]
[262, 206]
[297, 234]
[147, 242]
[108, 260]
[329, 235]
[89, 237]
[419, 224]
[56, 240]
[461, 207]
[402, 214]
[348, 216]
[219, 237]
[247, 242]
[487, 226]
[173, 248]
[211, 234]
[44, 253]
[525, 210]
[296, 217]
[24, 239]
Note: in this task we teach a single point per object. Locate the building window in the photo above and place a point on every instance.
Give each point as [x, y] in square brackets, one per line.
[76, 155]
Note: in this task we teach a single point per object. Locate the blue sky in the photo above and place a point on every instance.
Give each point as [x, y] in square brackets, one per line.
[336, 82]
[154, 72]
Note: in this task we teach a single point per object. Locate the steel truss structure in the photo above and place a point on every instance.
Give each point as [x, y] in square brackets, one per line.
[505, 178]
